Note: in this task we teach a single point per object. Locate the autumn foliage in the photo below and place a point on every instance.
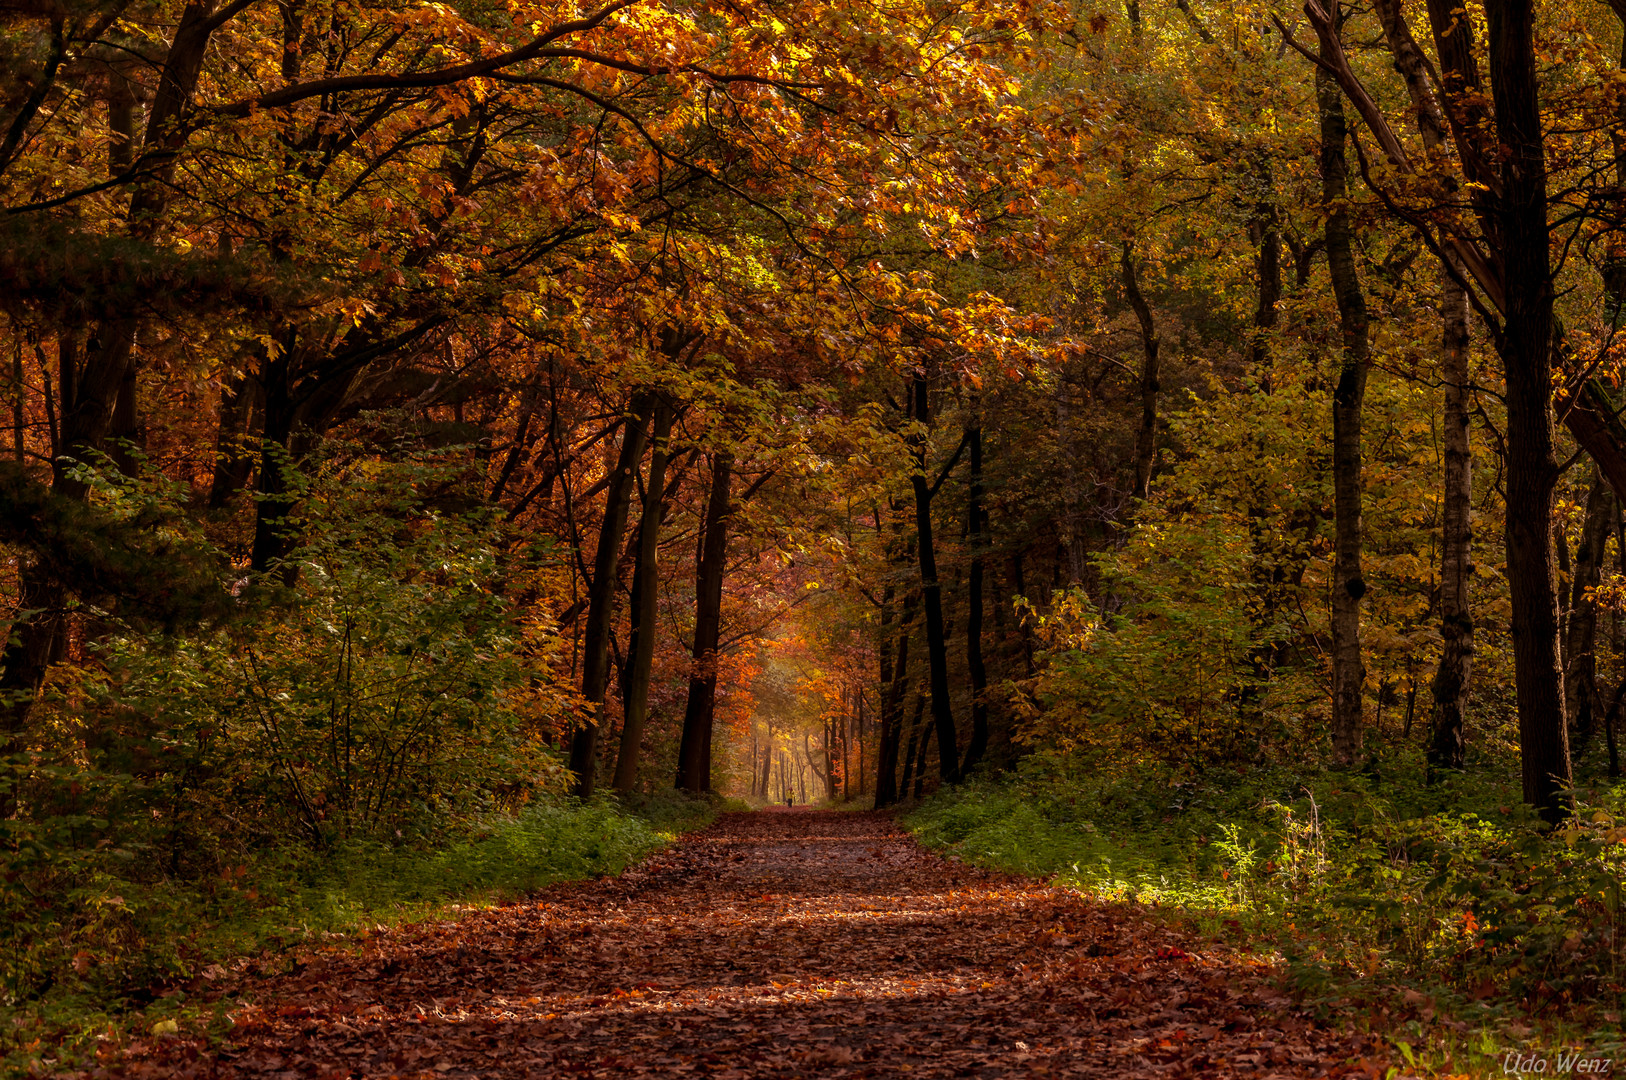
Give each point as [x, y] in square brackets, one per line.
[420, 416]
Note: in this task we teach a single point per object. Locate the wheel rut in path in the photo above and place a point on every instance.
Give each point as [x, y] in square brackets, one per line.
[776, 944]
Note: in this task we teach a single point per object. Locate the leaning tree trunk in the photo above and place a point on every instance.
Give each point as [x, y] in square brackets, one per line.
[601, 597]
[1348, 586]
[694, 750]
[1526, 347]
[645, 593]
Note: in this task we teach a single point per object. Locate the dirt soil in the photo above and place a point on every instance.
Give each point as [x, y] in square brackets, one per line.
[775, 944]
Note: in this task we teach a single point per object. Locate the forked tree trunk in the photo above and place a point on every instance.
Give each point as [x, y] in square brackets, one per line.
[601, 596]
[645, 594]
[1348, 586]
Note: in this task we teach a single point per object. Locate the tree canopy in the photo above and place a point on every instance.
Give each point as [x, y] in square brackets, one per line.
[421, 411]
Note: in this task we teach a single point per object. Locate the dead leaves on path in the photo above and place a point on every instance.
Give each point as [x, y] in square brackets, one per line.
[774, 945]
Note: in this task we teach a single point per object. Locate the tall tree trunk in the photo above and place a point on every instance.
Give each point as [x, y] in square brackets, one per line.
[645, 593]
[601, 595]
[801, 772]
[1580, 661]
[1348, 586]
[1146, 433]
[1526, 347]
[1447, 742]
[694, 751]
[932, 593]
[858, 729]
[976, 533]
[828, 759]
[892, 705]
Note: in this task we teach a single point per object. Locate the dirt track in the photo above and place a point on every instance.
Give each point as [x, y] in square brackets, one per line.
[775, 944]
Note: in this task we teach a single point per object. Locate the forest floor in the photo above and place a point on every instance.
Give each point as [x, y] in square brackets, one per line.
[773, 944]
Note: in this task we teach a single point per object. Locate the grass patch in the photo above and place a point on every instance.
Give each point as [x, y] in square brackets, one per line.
[143, 949]
[1464, 930]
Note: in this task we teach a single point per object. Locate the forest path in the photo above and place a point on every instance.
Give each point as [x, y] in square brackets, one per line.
[779, 944]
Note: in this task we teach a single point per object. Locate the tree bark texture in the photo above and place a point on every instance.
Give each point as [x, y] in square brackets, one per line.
[1348, 399]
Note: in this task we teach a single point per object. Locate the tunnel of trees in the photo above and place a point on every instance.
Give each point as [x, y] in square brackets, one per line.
[416, 412]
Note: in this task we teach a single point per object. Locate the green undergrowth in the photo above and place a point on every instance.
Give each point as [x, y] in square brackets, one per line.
[1461, 928]
[140, 949]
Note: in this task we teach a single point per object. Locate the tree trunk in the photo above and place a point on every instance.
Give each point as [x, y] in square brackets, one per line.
[694, 751]
[276, 486]
[234, 457]
[920, 766]
[976, 540]
[1266, 232]
[645, 593]
[1348, 586]
[1146, 434]
[909, 757]
[601, 596]
[858, 729]
[1526, 345]
[894, 682]
[932, 593]
[1580, 661]
[1447, 743]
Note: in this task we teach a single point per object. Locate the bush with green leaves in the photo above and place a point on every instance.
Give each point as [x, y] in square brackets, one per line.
[379, 687]
[383, 697]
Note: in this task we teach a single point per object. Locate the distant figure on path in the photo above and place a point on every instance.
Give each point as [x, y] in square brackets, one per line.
[789, 802]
